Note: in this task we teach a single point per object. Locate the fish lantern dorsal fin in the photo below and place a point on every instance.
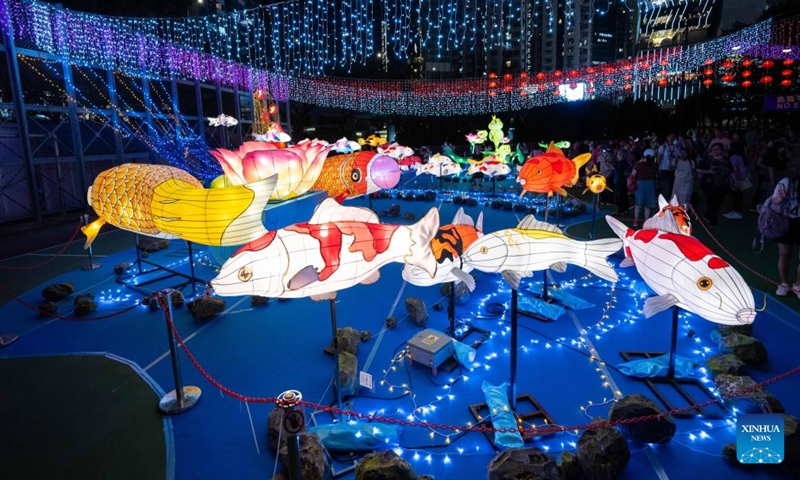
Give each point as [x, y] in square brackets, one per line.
[530, 223]
[330, 211]
[479, 223]
[662, 202]
[553, 149]
[462, 218]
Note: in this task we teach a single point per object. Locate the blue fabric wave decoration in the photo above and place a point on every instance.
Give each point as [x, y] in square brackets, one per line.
[569, 300]
[502, 416]
[356, 436]
[464, 353]
[538, 307]
[658, 367]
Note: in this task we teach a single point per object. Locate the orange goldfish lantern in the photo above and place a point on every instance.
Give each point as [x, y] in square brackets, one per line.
[355, 174]
[595, 181]
[551, 172]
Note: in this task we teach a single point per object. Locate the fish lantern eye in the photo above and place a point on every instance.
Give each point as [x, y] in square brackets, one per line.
[704, 283]
[245, 274]
[538, 171]
[355, 175]
[484, 250]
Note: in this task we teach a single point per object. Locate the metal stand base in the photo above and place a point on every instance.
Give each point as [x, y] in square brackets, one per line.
[170, 405]
[8, 339]
[92, 266]
[537, 415]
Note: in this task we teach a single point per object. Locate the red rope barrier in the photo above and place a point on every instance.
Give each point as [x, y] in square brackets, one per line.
[49, 260]
[459, 428]
[18, 299]
[746, 267]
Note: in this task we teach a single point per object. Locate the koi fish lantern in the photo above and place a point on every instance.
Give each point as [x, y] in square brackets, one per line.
[533, 246]
[489, 166]
[550, 172]
[165, 202]
[338, 248]
[671, 217]
[596, 182]
[448, 245]
[685, 273]
[222, 120]
[372, 141]
[296, 167]
[396, 151]
[343, 145]
[355, 174]
[440, 166]
[409, 163]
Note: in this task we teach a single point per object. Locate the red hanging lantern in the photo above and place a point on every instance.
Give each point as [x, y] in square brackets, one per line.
[523, 75]
[609, 82]
[727, 64]
[590, 90]
[787, 72]
[746, 73]
[573, 86]
[557, 73]
[541, 88]
[786, 82]
[507, 89]
[626, 67]
[728, 77]
[662, 82]
[645, 65]
[709, 61]
[746, 83]
[765, 79]
[492, 84]
[523, 84]
[523, 93]
[507, 77]
[540, 75]
[747, 62]
[707, 82]
[708, 72]
[492, 75]
[492, 93]
[628, 87]
[663, 73]
[767, 64]
[627, 77]
[556, 92]
[590, 79]
[788, 62]
[591, 70]
[573, 73]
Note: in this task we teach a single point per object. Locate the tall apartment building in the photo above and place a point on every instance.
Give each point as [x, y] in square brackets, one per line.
[668, 22]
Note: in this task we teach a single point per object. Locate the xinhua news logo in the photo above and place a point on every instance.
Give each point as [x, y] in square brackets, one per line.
[759, 438]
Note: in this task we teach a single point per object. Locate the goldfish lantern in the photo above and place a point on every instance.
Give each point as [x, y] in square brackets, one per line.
[372, 141]
[297, 167]
[533, 246]
[165, 202]
[355, 174]
[339, 247]
[448, 245]
[489, 166]
[671, 217]
[595, 182]
[440, 166]
[396, 151]
[685, 273]
[551, 172]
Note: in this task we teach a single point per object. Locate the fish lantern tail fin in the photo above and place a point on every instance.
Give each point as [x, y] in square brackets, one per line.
[91, 231]
[597, 252]
[619, 228]
[579, 162]
[422, 233]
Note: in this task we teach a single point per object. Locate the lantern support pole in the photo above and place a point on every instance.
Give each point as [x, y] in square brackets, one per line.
[182, 398]
[512, 387]
[337, 377]
[546, 207]
[558, 210]
[451, 310]
[494, 187]
[674, 345]
[293, 423]
[191, 268]
[91, 265]
[594, 214]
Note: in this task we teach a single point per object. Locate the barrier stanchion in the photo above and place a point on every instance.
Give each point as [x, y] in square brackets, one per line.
[91, 265]
[337, 375]
[293, 422]
[8, 339]
[182, 398]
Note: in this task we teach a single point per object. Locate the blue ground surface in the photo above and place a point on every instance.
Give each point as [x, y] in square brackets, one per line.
[264, 351]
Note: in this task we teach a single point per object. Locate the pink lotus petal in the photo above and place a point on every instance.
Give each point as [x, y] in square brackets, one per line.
[248, 147]
[231, 164]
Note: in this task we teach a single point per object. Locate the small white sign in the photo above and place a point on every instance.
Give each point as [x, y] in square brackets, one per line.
[365, 380]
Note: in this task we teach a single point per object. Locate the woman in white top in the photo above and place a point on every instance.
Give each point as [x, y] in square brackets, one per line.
[786, 191]
[684, 179]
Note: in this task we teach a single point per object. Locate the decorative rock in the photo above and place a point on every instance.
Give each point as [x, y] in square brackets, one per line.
[462, 292]
[394, 210]
[151, 244]
[429, 196]
[153, 304]
[726, 363]
[120, 268]
[348, 373]
[523, 463]
[206, 307]
[177, 299]
[603, 453]
[758, 401]
[366, 336]
[437, 307]
[383, 213]
[85, 304]
[729, 453]
[750, 350]
[726, 330]
[459, 199]
[791, 445]
[274, 427]
[471, 202]
[417, 311]
[520, 207]
[568, 467]
[409, 216]
[391, 322]
[425, 477]
[660, 430]
[314, 464]
[349, 340]
[385, 465]
[257, 301]
[384, 195]
[47, 309]
[58, 291]
[497, 204]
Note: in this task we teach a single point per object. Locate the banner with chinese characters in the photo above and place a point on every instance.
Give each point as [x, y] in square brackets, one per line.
[782, 103]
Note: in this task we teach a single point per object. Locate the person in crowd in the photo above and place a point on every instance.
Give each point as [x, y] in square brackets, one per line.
[715, 182]
[785, 198]
[741, 179]
[667, 156]
[622, 168]
[720, 138]
[684, 178]
[645, 173]
[605, 165]
[751, 140]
